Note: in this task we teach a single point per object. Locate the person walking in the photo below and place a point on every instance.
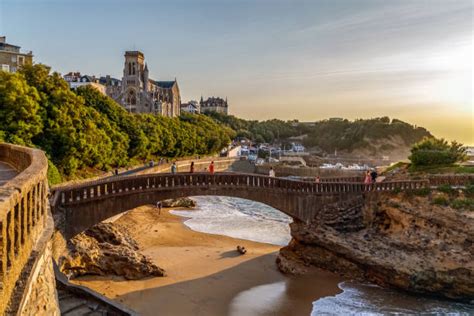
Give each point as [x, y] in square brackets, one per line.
[174, 168]
[368, 178]
[211, 167]
[191, 168]
[317, 179]
[271, 173]
[374, 175]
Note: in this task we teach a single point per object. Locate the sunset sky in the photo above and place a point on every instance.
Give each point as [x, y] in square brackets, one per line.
[292, 59]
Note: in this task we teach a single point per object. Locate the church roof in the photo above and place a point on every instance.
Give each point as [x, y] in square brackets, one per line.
[164, 84]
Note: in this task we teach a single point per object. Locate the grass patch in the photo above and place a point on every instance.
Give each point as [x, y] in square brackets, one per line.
[466, 204]
[420, 192]
[441, 200]
[441, 169]
[398, 165]
[469, 190]
[446, 188]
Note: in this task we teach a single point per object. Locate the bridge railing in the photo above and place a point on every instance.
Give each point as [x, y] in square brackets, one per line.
[23, 207]
[455, 180]
[97, 190]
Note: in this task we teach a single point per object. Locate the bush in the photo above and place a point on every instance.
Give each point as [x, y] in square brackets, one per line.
[54, 177]
[469, 190]
[441, 200]
[433, 151]
[467, 204]
[446, 188]
[421, 192]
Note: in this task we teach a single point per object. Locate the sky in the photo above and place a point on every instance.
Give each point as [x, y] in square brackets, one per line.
[292, 59]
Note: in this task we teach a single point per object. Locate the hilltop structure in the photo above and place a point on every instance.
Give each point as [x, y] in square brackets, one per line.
[191, 107]
[214, 104]
[11, 58]
[75, 80]
[140, 94]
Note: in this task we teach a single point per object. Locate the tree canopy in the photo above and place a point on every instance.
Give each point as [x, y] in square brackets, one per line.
[85, 129]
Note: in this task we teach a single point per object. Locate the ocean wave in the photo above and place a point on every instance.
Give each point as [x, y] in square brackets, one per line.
[238, 218]
[372, 300]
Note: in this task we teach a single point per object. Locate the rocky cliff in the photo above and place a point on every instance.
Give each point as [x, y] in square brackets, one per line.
[401, 240]
[107, 249]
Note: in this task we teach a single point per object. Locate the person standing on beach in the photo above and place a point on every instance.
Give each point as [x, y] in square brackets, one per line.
[158, 207]
[191, 168]
[173, 168]
[271, 173]
[211, 167]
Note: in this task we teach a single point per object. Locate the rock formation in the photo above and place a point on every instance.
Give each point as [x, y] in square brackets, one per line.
[400, 240]
[107, 249]
[180, 202]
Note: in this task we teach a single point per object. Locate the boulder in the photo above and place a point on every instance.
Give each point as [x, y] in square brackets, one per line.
[107, 249]
[179, 202]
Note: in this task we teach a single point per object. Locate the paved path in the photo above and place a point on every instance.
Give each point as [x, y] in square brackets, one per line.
[6, 173]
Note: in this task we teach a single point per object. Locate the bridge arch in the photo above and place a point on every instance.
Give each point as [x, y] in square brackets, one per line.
[83, 206]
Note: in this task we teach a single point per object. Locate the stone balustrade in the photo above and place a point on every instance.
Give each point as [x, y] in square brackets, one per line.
[454, 180]
[109, 188]
[23, 208]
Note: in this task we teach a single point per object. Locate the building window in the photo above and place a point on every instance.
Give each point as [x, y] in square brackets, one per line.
[13, 59]
[133, 68]
[129, 69]
[21, 60]
[6, 68]
[131, 98]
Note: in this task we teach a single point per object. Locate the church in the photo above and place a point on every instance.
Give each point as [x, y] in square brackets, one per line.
[140, 94]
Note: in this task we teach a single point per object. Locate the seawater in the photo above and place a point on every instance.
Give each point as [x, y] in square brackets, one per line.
[238, 218]
[255, 221]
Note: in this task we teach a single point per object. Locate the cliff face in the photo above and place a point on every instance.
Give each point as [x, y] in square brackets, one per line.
[398, 240]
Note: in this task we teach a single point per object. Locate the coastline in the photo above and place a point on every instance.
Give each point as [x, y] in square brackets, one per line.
[204, 271]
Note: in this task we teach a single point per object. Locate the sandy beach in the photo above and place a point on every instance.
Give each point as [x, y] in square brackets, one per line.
[205, 273]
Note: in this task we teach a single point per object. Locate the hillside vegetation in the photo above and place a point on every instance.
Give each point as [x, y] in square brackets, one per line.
[368, 136]
[85, 129]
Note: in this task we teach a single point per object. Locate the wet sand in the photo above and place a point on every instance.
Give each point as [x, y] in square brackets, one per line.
[205, 273]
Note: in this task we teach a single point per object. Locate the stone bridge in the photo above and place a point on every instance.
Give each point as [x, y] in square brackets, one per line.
[85, 205]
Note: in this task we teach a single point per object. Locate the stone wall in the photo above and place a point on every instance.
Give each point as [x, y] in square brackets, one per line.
[40, 298]
[23, 216]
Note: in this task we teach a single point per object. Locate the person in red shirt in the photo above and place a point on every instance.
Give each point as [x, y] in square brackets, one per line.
[211, 167]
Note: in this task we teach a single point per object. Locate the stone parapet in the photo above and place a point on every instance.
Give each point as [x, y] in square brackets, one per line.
[23, 212]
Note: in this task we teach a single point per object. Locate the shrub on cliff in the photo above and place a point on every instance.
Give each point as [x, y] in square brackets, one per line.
[54, 177]
[436, 152]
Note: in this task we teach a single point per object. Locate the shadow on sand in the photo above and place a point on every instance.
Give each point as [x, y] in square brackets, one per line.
[213, 294]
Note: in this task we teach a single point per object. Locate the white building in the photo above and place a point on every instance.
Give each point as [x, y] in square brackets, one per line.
[191, 107]
[75, 80]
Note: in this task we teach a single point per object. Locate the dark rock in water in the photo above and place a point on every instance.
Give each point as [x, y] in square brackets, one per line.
[180, 202]
[107, 249]
[396, 240]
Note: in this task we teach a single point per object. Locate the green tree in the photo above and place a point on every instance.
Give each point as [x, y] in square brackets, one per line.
[19, 117]
[434, 151]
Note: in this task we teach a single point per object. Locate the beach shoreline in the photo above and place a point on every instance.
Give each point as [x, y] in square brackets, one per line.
[204, 271]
